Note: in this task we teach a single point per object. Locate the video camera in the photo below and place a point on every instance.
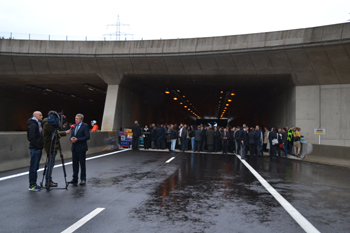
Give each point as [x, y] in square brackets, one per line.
[56, 119]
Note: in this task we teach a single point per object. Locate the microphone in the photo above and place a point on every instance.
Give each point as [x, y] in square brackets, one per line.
[72, 126]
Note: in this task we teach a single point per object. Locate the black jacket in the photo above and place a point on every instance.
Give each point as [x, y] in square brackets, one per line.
[251, 137]
[136, 131]
[173, 134]
[243, 136]
[35, 138]
[198, 135]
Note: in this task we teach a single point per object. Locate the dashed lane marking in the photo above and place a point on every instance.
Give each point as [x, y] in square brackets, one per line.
[82, 221]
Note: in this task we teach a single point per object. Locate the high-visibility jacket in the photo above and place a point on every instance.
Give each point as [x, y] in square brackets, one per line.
[95, 127]
[290, 135]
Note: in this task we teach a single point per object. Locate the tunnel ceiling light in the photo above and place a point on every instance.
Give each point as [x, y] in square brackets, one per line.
[183, 96]
[188, 109]
[91, 89]
[73, 95]
[181, 103]
[188, 101]
[225, 107]
[185, 106]
[167, 92]
[47, 89]
[227, 104]
[175, 98]
[178, 90]
[229, 100]
[221, 92]
[233, 94]
[91, 100]
[220, 97]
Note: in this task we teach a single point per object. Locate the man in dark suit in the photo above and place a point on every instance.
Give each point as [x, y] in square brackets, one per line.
[136, 133]
[79, 136]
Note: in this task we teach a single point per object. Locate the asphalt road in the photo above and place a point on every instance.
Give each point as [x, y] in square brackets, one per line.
[137, 191]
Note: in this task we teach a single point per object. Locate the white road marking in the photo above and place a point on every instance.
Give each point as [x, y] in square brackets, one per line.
[300, 219]
[60, 165]
[82, 221]
[169, 160]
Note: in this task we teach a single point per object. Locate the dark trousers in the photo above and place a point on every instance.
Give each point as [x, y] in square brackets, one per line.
[224, 147]
[135, 143]
[35, 157]
[146, 142]
[231, 146]
[184, 144]
[204, 143]
[216, 145]
[273, 149]
[210, 148]
[168, 145]
[252, 148]
[160, 142]
[79, 158]
[198, 145]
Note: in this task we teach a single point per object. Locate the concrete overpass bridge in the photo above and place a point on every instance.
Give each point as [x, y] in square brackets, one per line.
[295, 77]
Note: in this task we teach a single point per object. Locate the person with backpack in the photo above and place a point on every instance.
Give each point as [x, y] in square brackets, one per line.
[51, 146]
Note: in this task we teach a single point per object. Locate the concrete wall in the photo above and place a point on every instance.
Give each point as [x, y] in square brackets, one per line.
[129, 108]
[281, 110]
[14, 149]
[325, 106]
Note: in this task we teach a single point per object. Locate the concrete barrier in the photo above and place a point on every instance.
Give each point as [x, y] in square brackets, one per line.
[333, 155]
[14, 148]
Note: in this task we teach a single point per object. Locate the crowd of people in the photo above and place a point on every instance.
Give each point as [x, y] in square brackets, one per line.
[241, 140]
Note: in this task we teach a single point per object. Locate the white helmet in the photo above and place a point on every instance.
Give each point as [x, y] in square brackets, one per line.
[93, 122]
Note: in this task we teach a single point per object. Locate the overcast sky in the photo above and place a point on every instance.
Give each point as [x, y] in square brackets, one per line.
[156, 19]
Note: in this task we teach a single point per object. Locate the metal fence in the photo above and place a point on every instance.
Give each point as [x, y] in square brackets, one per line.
[29, 36]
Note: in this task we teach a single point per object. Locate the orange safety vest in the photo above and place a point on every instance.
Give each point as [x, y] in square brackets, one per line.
[95, 127]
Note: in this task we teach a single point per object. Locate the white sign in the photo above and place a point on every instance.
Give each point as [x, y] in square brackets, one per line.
[320, 131]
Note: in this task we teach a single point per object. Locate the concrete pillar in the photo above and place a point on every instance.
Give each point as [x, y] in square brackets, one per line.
[109, 113]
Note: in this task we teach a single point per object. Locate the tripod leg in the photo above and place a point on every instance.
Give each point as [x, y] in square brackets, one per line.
[63, 167]
[49, 172]
[44, 173]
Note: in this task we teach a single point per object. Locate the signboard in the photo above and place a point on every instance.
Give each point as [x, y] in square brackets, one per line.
[320, 131]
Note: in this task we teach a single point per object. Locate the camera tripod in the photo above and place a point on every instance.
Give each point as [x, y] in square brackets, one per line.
[50, 160]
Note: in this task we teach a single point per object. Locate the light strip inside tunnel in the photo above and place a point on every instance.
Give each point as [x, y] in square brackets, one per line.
[300, 219]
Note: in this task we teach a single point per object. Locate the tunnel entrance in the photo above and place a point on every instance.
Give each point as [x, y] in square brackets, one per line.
[232, 99]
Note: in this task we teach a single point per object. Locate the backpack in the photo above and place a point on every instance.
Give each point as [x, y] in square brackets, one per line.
[53, 119]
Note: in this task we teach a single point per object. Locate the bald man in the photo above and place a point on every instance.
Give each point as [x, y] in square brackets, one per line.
[36, 144]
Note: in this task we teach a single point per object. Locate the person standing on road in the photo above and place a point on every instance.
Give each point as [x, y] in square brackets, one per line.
[136, 133]
[79, 137]
[51, 148]
[36, 144]
[243, 137]
[225, 136]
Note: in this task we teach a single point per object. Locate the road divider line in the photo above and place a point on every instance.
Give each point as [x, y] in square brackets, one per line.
[169, 160]
[300, 219]
[82, 221]
[60, 165]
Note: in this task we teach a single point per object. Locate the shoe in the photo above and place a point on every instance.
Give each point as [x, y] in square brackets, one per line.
[73, 182]
[83, 182]
[52, 184]
[34, 188]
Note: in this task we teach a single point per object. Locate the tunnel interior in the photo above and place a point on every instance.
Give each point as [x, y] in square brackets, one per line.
[190, 99]
[193, 99]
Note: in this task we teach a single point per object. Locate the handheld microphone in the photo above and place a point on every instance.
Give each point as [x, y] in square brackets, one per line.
[72, 126]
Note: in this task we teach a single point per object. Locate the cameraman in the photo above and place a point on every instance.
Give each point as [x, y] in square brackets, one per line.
[48, 130]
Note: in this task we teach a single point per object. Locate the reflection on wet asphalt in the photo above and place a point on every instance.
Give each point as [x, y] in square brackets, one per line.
[192, 193]
[210, 193]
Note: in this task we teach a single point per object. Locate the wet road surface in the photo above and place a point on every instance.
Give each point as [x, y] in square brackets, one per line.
[140, 192]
